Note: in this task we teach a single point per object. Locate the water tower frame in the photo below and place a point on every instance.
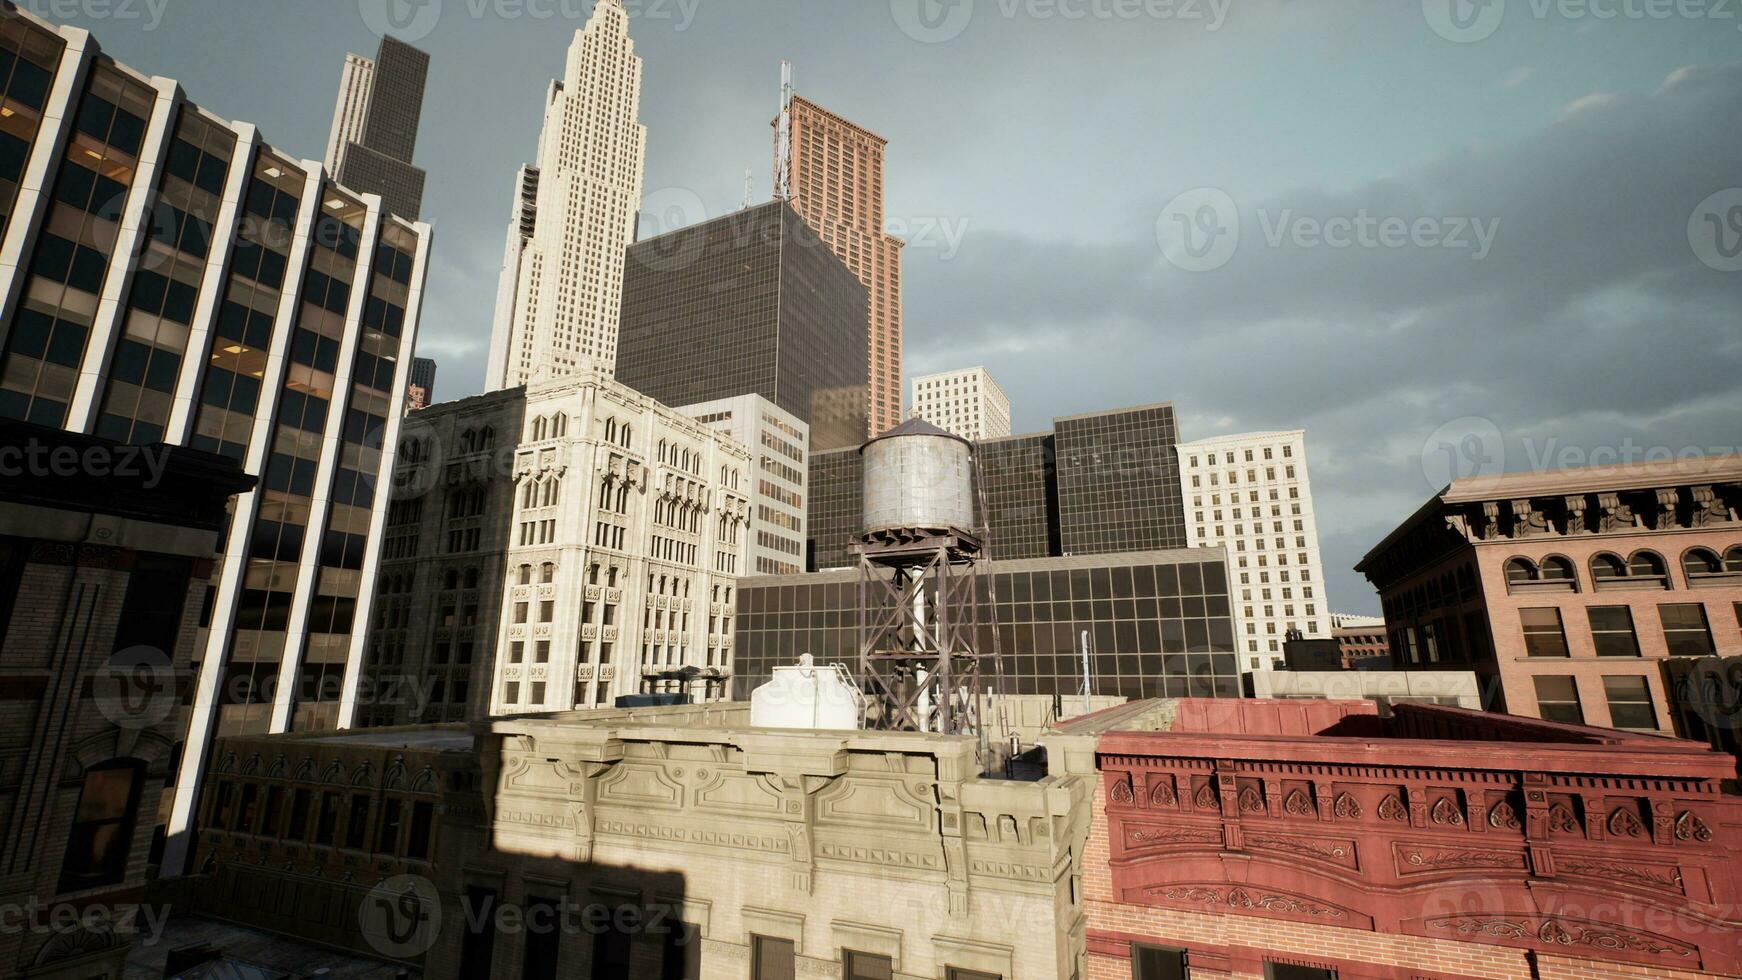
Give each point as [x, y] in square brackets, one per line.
[919, 614]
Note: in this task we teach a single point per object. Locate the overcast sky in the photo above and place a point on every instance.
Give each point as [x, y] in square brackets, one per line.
[1534, 262]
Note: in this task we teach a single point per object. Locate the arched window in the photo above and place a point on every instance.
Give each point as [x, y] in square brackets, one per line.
[626, 435]
[1607, 566]
[1557, 569]
[623, 499]
[1701, 561]
[610, 430]
[451, 580]
[547, 573]
[1520, 570]
[662, 450]
[486, 438]
[1646, 564]
[467, 438]
[559, 425]
[538, 428]
[1733, 559]
[472, 578]
[526, 574]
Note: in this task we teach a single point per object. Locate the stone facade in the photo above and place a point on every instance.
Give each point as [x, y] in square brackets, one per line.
[1239, 837]
[575, 538]
[725, 842]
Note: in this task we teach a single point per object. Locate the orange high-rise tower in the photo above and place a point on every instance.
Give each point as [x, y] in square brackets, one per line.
[836, 185]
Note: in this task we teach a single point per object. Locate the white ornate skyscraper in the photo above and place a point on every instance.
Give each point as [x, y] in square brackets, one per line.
[559, 317]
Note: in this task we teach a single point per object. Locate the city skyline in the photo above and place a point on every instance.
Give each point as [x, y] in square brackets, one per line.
[1466, 130]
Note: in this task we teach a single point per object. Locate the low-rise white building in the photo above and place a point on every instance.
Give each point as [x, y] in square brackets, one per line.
[967, 402]
[778, 441]
[1251, 494]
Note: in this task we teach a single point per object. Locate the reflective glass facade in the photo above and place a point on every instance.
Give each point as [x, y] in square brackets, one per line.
[1159, 625]
[751, 303]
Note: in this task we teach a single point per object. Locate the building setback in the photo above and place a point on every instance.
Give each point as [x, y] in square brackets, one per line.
[102, 578]
[562, 279]
[1159, 624]
[777, 440]
[750, 303]
[613, 553]
[837, 188]
[967, 402]
[1567, 589]
[269, 318]
[1251, 493]
[375, 126]
[1102, 483]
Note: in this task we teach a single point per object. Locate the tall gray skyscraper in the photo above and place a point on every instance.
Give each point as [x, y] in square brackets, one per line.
[375, 126]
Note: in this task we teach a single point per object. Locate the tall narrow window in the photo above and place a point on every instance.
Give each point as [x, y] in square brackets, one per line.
[772, 959]
[102, 831]
[544, 936]
[478, 946]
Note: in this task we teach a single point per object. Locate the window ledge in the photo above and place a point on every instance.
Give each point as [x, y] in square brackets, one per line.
[1715, 580]
[1652, 583]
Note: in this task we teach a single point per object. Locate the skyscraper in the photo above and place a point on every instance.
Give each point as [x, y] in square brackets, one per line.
[1250, 493]
[375, 126]
[967, 402]
[837, 188]
[748, 303]
[560, 316]
[173, 278]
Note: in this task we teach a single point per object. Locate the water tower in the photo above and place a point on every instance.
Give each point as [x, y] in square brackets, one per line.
[919, 656]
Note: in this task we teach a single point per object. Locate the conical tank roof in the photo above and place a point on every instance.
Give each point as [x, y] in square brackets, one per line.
[916, 426]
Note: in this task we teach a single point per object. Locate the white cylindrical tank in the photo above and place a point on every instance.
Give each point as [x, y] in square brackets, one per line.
[918, 476]
[808, 696]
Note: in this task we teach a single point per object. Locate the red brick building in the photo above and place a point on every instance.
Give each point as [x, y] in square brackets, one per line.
[1566, 590]
[1311, 840]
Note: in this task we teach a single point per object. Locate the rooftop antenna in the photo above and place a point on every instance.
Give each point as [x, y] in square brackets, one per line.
[783, 139]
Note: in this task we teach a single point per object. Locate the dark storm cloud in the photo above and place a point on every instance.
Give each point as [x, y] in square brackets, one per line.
[1592, 322]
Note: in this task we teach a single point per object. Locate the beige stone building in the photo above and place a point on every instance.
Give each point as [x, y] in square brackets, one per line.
[561, 545]
[675, 842]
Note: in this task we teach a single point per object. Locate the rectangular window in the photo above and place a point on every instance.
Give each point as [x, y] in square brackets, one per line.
[864, 966]
[1557, 699]
[772, 959]
[1543, 634]
[1288, 971]
[478, 946]
[102, 831]
[357, 827]
[1685, 630]
[1612, 631]
[1158, 963]
[387, 838]
[544, 938]
[422, 821]
[954, 974]
[1630, 703]
[329, 821]
[299, 801]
